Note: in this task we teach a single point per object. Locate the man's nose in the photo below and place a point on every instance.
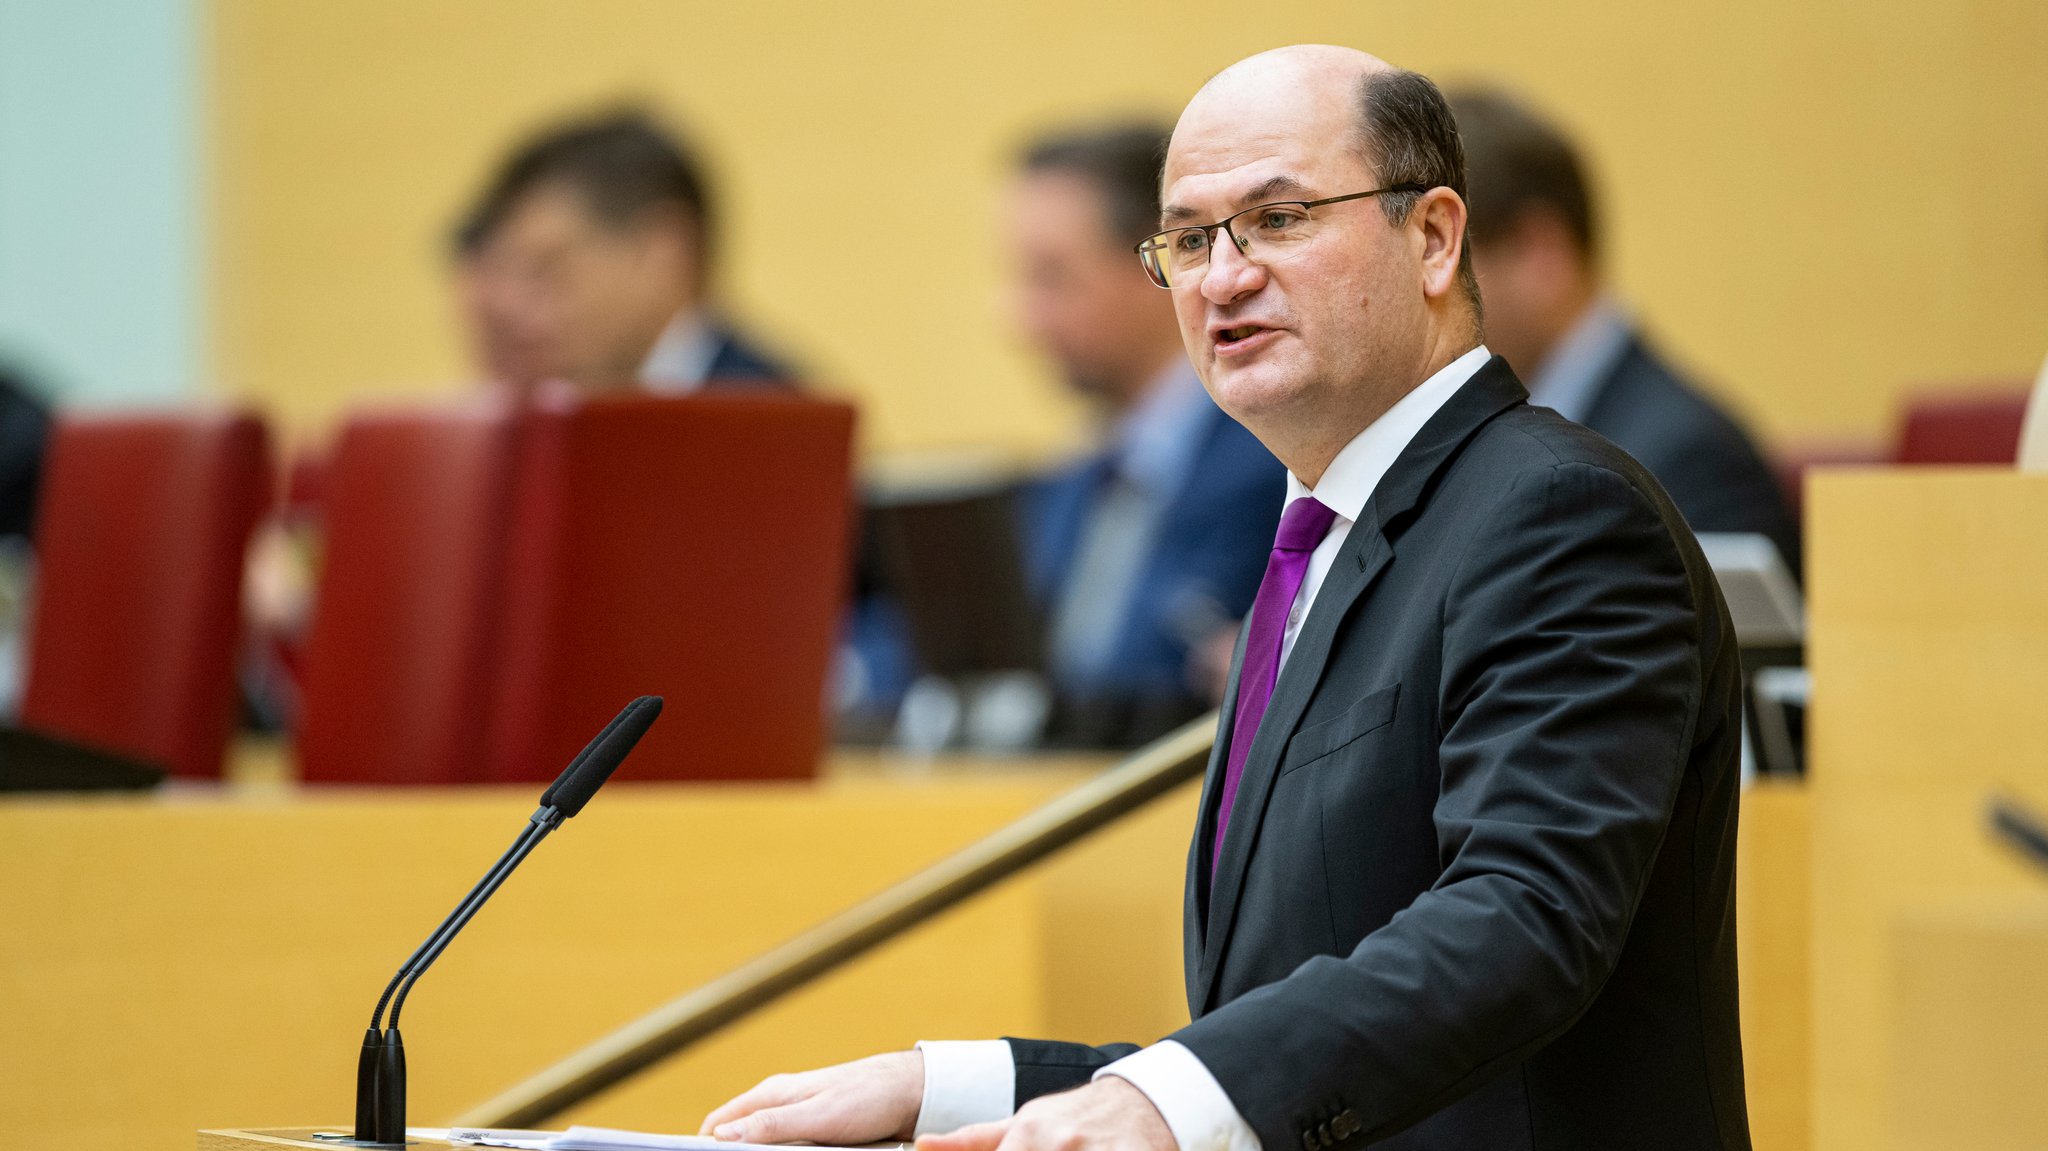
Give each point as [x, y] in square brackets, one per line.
[1231, 275]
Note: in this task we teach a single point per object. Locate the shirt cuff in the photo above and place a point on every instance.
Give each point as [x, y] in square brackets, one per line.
[966, 1082]
[1193, 1104]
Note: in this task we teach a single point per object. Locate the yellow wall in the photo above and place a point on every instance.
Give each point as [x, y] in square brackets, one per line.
[1813, 203]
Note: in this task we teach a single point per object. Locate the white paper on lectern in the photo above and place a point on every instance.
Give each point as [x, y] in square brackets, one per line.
[496, 1137]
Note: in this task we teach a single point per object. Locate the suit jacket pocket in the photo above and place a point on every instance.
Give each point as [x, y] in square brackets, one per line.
[1315, 741]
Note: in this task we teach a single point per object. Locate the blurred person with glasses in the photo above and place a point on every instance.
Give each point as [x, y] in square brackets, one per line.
[587, 261]
[585, 266]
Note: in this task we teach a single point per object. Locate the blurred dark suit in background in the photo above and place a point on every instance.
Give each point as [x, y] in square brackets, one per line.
[1141, 563]
[1144, 552]
[24, 430]
[1536, 247]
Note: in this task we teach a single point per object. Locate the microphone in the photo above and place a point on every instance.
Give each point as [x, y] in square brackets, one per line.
[2019, 828]
[380, 1069]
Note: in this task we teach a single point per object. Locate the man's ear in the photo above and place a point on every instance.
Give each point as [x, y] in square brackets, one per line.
[1439, 217]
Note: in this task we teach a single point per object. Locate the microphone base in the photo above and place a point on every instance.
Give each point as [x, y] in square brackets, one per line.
[344, 1139]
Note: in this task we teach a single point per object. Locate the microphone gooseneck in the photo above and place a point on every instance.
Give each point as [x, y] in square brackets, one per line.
[380, 1068]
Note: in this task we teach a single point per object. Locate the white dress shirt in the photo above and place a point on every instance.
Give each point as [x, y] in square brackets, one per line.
[1570, 379]
[681, 357]
[976, 1082]
[1154, 448]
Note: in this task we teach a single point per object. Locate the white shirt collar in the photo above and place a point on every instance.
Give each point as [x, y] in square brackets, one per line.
[1157, 439]
[1570, 378]
[682, 357]
[1350, 479]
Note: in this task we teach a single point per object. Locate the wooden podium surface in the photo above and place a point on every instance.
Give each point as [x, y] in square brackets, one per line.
[281, 1138]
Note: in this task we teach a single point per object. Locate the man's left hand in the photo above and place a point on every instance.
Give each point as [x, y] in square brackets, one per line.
[1108, 1113]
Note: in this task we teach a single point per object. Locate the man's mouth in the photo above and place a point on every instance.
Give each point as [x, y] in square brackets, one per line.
[1239, 337]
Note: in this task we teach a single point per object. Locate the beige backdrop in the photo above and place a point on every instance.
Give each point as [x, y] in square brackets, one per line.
[1814, 204]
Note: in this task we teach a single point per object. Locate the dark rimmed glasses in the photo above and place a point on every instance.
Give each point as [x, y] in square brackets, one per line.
[1267, 234]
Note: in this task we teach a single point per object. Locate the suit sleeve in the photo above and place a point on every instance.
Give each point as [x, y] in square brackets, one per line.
[1045, 1067]
[1569, 691]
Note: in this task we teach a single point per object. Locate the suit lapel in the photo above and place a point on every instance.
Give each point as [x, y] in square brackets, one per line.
[1365, 555]
[1195, 910]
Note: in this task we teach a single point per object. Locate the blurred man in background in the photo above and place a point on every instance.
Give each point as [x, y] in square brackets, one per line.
[24, 441]
[1536, 248]
[1147, 552]
[586, 264]
[588, 260]
[24, 430]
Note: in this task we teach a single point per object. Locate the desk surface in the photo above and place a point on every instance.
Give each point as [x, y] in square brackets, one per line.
[258, 762]
[276, 1138]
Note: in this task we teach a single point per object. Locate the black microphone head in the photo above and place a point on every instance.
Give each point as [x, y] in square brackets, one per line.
[547, 798]
[604, 755]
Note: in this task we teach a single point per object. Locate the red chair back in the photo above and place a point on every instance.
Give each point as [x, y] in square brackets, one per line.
[693, 548]
[143, 527]
[1981, 427]
[398, 657]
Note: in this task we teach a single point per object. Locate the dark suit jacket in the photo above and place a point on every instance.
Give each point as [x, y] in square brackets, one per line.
[1477, 891]
[1702, 456]
[738, 361]
[1203, 569]
[24, 433]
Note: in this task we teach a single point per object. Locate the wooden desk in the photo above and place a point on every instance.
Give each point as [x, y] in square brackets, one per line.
[202, 958]
[282, 1139]
[1968, 1024]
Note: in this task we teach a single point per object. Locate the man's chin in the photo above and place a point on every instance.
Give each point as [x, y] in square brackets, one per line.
[1248, 389]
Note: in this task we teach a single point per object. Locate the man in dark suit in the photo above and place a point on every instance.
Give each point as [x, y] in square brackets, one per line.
[24, 435]
[588, 260]
[1152, 544]
[1536, 248]
[1143, 553]
[1463, 873]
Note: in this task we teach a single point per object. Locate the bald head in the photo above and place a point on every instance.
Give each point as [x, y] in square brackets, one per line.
[1311, 331]
[1397, 121]
[1323, 74]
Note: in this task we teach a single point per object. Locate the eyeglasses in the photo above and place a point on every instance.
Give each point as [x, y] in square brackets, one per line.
[1267, 234]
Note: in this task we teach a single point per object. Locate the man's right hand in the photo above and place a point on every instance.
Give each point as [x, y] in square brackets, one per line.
[870, 1100]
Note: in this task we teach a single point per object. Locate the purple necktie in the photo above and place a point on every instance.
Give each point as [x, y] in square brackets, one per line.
[1302, 526]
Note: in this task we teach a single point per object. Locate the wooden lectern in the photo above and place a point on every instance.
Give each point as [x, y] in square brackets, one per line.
[1928, 597]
